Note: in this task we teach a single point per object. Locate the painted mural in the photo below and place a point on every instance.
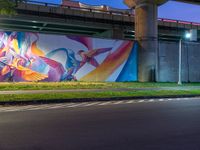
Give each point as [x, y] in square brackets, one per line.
[26, 56]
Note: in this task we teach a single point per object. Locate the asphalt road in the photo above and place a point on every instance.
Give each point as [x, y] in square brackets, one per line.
[159, 125]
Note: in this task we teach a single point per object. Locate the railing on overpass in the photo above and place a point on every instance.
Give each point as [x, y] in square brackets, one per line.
[61, 19]
[109, 10]
[126, 12]
[178, 21]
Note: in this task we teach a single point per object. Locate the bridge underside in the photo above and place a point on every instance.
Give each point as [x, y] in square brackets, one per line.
[45, 25]
[51, 20]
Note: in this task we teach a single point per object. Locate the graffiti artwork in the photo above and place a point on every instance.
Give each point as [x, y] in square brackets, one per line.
[26, 56]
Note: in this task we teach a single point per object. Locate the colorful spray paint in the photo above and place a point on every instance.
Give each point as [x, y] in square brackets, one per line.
[26, 56]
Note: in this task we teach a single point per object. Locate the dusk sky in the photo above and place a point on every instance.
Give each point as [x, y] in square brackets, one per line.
[171, 10]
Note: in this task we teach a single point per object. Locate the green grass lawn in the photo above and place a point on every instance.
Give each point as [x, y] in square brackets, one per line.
[82, 85]
[109, 92]
[105, 94]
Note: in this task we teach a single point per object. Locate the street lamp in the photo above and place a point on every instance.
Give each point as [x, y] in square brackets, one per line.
[188, 35]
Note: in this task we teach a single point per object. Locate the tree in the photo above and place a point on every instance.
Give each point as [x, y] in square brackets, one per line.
[7, 7]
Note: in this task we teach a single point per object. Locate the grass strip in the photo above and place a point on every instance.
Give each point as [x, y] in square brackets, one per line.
[107, 94]
[83, 85]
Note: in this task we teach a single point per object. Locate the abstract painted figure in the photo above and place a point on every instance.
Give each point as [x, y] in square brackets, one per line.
[89, 56]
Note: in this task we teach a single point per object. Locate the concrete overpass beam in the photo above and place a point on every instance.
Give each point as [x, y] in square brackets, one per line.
[105, 34]
[118, 33]
[115, 33]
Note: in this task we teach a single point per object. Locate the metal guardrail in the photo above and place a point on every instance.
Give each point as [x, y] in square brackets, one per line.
[111, 12]
[125, 12]
[179, 21]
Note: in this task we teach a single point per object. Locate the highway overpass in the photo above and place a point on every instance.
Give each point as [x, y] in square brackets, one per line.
[57, 19]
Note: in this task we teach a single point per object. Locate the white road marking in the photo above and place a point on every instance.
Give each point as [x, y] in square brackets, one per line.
[82, 104]
[140, 101]
[27, 107]
[105, 103]
[178, 99]
[59, 106]
[40, 107]
[17, 108]
[8, 108]
[11, 109]
[151, 100]
[119, 102]
[75, 105]
[91, 104]
[161, 100]
[130, 102]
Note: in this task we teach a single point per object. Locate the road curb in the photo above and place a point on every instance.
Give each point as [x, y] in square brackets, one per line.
[74, 100]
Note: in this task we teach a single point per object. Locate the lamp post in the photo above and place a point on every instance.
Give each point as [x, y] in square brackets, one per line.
[187, 36]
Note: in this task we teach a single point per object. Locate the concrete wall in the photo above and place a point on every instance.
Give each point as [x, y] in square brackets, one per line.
[168, 62]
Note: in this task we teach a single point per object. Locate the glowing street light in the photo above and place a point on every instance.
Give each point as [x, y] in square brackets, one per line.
[188, 35]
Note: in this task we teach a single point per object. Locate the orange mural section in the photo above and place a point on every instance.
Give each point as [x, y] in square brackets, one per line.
[110, 64]
[36, 51]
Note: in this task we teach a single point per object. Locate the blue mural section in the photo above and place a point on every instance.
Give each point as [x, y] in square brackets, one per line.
[128, 73]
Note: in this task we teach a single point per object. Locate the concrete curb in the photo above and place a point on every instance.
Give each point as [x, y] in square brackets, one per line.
[54, 101]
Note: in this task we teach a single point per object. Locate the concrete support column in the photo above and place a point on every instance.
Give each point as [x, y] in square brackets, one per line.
[146, 34]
